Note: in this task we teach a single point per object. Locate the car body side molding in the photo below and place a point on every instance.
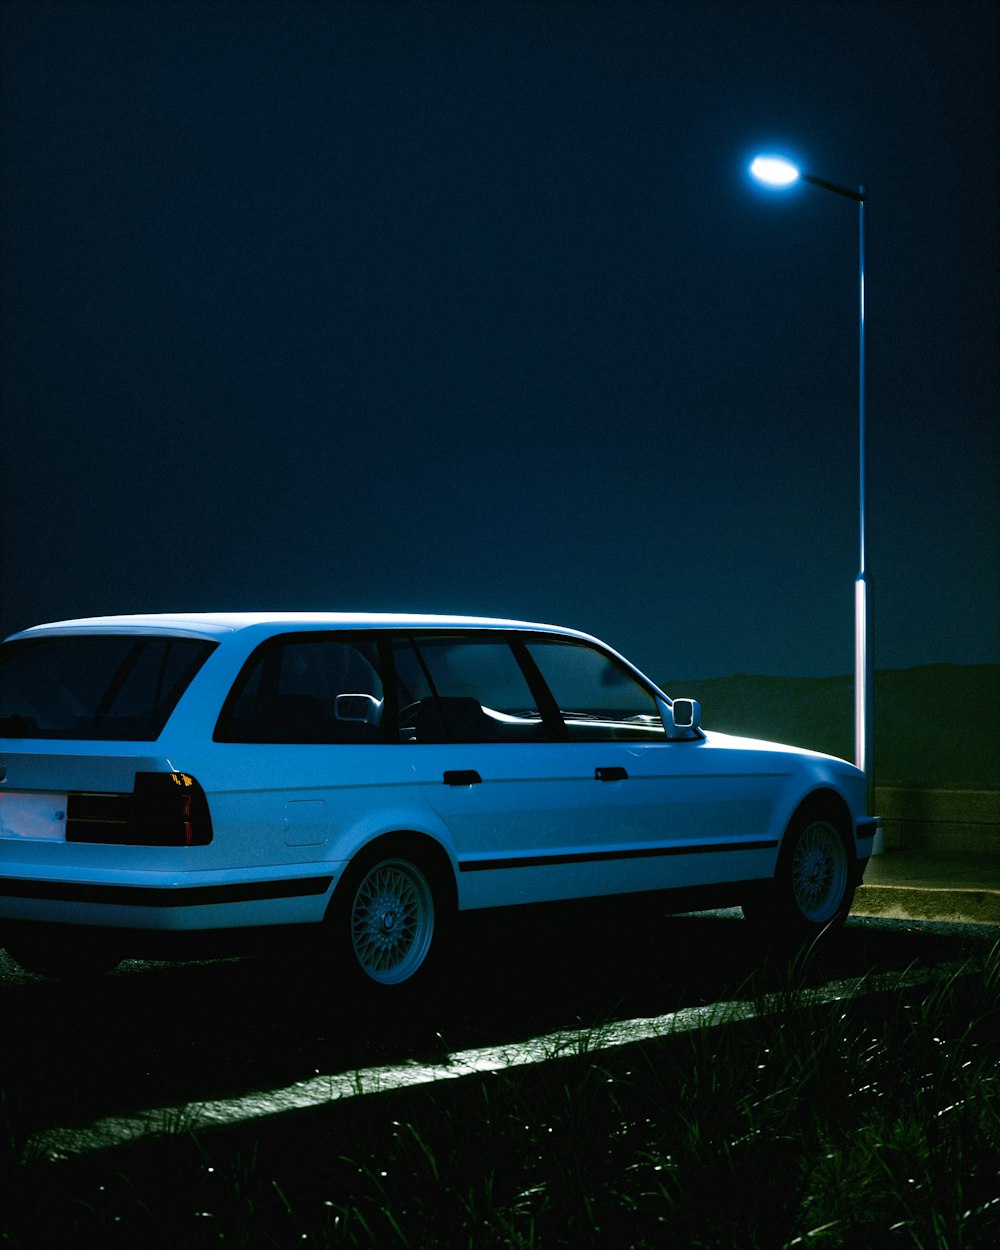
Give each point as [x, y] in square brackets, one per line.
[590, 857]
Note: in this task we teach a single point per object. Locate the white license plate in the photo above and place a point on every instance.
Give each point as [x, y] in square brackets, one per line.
[39, 817]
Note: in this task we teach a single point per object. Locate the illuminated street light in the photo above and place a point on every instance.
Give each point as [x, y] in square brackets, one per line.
[776, 171]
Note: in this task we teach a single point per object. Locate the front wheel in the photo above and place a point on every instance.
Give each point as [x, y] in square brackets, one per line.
[387, 910]
[813, 887]
[819, 874]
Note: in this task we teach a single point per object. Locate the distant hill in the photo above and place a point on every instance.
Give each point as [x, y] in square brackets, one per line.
[936, 726]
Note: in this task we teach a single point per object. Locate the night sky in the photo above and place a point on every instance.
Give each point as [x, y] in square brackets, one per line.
[472, 307]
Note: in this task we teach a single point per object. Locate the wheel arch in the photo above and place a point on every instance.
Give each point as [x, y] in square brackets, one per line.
[834, 807]
[831, 802]
[425, 850]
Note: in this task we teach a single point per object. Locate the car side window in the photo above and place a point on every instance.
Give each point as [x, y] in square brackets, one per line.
[598, 698]
[463, 690]
[307, 688]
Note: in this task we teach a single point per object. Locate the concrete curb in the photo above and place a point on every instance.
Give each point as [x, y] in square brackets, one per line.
[908, 902]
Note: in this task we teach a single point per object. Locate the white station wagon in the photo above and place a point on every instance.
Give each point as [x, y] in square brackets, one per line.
[369, 775]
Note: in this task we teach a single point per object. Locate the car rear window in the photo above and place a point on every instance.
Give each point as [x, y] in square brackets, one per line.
[109, 688]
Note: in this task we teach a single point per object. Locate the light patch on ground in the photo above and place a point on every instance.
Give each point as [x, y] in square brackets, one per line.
[62, 1143]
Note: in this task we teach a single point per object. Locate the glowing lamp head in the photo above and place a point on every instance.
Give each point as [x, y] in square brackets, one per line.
[774, 171]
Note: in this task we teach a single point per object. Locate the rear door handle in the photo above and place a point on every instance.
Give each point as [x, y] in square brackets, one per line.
[462, 777]
[610, 774]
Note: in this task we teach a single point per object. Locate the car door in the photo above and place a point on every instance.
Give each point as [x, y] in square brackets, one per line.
[669, 810]
[488, 753]
[304, 763]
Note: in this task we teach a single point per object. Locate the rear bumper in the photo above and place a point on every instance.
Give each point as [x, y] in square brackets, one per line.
[161, 901]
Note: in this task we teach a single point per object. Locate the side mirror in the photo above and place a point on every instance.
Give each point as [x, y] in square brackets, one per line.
[362, 708]
[686, 713]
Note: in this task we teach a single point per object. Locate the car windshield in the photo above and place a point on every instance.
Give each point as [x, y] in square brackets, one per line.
[116, 687]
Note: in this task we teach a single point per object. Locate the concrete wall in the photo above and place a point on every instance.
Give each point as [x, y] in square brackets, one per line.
[957, 822]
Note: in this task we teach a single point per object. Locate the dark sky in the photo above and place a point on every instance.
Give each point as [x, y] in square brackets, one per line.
[472, 307]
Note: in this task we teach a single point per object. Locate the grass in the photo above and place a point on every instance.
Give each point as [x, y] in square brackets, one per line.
[865, 1123]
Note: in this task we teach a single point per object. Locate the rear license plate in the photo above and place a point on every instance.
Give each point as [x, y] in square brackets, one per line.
[38, 817]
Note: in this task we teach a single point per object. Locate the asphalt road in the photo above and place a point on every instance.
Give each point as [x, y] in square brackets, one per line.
[162, 1035]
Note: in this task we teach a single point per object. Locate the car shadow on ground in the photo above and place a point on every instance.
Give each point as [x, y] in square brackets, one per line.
[160, 1035]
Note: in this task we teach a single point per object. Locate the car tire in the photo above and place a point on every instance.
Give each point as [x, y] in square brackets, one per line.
[388, 916]
[813, 887]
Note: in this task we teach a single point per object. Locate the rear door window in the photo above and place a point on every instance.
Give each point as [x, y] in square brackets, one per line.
[307, 688]
[107, 688]
[461, 689]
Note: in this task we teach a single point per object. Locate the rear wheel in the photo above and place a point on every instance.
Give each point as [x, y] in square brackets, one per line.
[389, 913]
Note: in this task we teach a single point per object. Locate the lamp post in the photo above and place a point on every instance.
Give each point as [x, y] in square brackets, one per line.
[776, 171]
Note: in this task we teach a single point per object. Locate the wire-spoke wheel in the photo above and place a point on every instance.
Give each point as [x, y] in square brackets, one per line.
[819, 873]
[813, 887]
[391, 921]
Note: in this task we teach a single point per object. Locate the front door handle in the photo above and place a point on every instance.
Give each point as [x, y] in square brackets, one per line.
[610, 774]
[462, 777]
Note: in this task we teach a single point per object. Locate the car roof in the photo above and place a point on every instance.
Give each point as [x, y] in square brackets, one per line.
[218, 624]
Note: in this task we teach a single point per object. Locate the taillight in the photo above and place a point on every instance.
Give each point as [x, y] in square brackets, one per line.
[170, 809]
[164, 809]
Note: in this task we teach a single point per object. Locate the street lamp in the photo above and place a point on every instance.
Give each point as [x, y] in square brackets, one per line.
[777, 172]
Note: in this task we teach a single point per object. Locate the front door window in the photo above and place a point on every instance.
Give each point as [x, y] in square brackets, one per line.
[598, 698]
